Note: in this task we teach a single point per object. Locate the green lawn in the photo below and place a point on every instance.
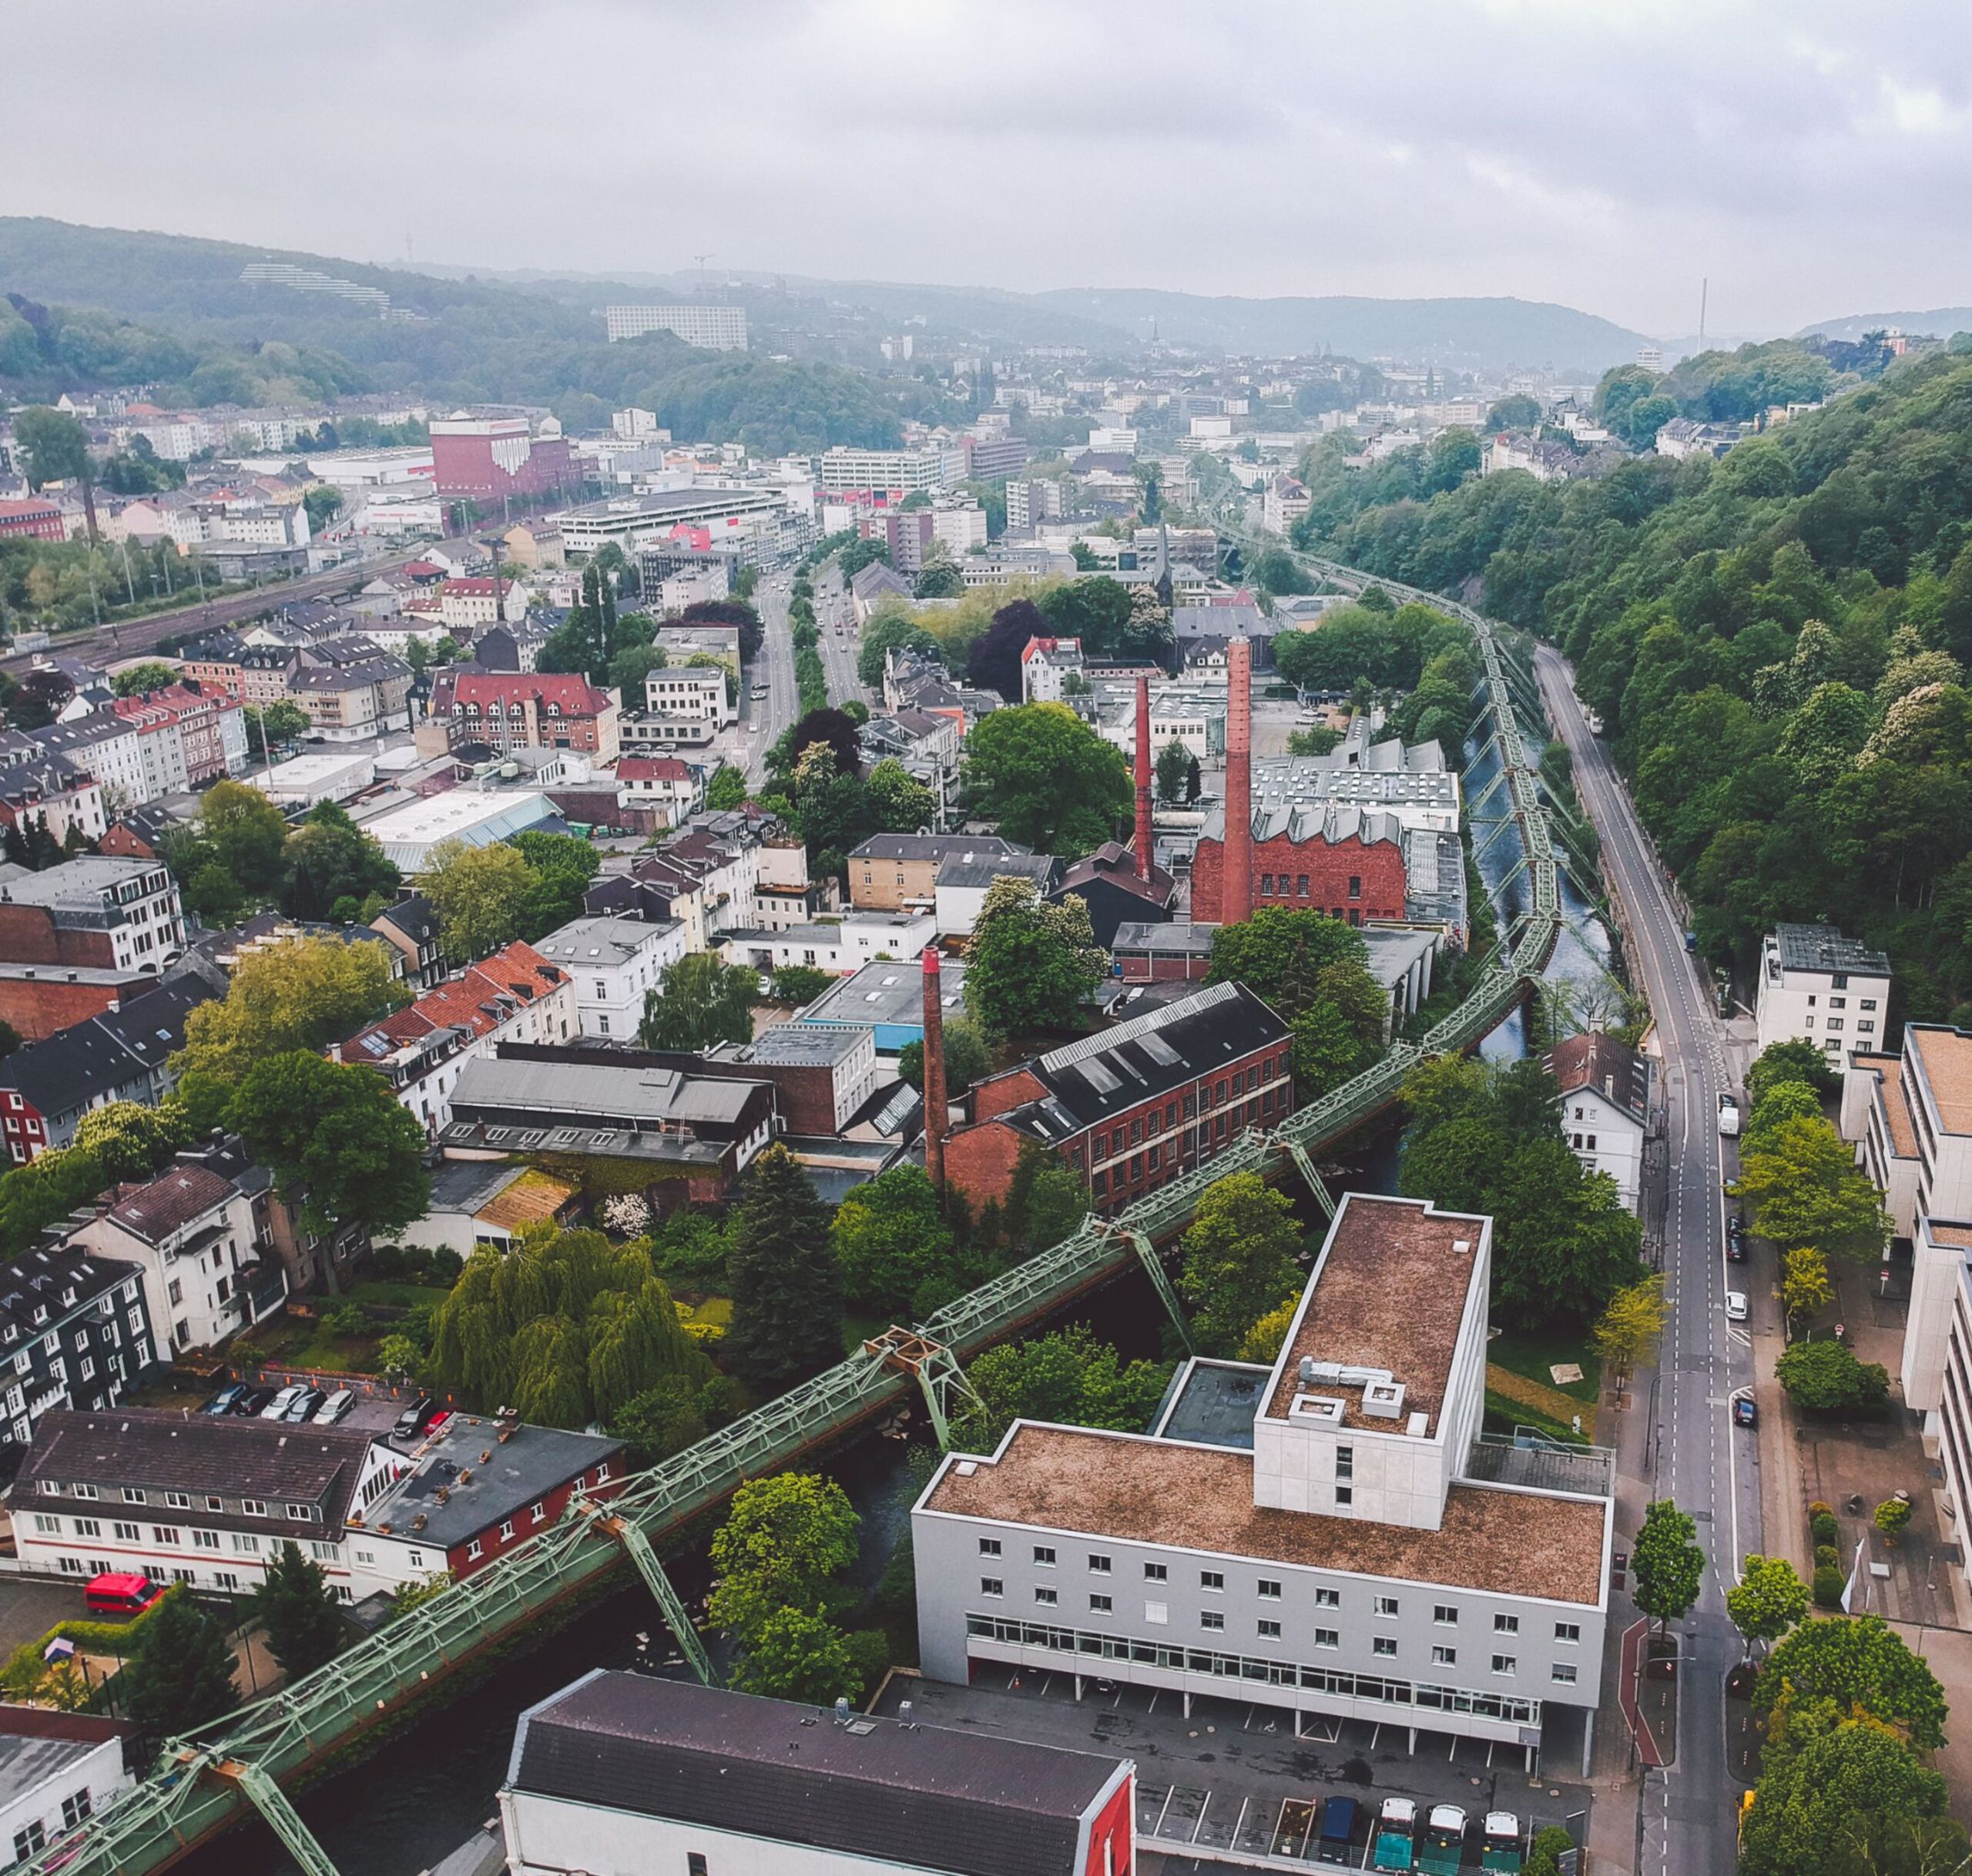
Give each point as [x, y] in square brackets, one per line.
[375, 1292]
[1533, 1354]
[1503, 1416]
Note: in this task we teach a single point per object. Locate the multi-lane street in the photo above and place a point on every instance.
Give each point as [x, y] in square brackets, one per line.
[1690, 1451]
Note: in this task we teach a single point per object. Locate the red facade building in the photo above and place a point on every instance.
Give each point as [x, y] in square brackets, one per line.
[1131, 1108]
[32, 519]
[1346, 862]
[487, 459]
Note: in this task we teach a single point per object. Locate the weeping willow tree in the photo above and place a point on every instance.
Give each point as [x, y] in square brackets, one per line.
[565, 1328]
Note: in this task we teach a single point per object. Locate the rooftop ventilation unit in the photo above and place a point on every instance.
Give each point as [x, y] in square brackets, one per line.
[1327, 1408]
[1339, 1374]
[1383, 1399]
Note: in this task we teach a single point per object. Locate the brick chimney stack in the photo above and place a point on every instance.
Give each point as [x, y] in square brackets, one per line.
[1144, 839]
[1236, 899]
[936, 1113]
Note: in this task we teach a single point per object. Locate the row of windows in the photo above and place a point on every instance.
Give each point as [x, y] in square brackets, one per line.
[180, 1500]
[1100, 1563]
[1422, 1696]
[1300, 886]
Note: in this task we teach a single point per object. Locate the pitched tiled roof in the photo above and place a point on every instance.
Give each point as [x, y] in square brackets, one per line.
[489, 994]
[87, 1061]
[170, 1202]
[570, 691]
[651, 769]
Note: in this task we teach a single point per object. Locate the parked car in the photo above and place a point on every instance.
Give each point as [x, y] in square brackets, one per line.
[227, 1400]
[253, 1400]
[439, 1422]
[1735, 1248]
[335, 1408]
[303, 1407]
[1728, 1116]
[1736, 1306]
[415, 1418]
[277, 1408]
[120, 1594]
[1745, 1410]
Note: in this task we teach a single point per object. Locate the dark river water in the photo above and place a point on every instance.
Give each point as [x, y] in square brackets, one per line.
[426, 1791]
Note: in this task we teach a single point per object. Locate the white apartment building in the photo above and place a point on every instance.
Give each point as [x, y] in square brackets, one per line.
[133, 902]
[615, 964]
[1112, 439]
[960, 526]
[1816, 986]
[56, 1769]
[206, 1274]
[106, 746]
[1332, 1537]
[1046, 665]
[757, 521]
[1605, 1108]
[692, 694]
[715, 329]
[1876, 1117]
[669, 787]
[906, 470]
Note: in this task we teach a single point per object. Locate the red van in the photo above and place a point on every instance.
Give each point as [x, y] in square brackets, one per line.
[120, 1594]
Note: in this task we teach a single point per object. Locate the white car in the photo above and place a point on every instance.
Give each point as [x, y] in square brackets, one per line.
[277, 1408]
[1736, 1306]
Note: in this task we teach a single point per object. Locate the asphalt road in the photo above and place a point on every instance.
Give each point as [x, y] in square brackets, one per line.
[835, 615]
[1697, 1456]
[134, 637]
[762, 719]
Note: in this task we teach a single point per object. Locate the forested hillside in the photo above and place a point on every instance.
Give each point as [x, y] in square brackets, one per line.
[85, 307]
[1777, 643]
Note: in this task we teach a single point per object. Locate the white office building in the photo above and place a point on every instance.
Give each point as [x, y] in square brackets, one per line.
[1816, 986]
[1330, 1537]
[907, 470]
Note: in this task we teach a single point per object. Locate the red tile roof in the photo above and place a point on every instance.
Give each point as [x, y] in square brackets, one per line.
[651, 769]
[489, 994]
[569, 690]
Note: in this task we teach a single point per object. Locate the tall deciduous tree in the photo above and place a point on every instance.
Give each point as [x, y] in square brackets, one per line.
[1628, 1330]
[1767, 1600]
[304, 994]
[55, 447]
[1857, 1662]
[1047, 779]
[785, 1544]
[1850, 1799]
[1237, 1260]
[1668, 1566]
[786, 1288]
[480, 894]
[336, 1138]
[1032, 965]
[698, 1001]
[1804, 1186]
[331, 862]
[893, 1247]
[1069, 1377]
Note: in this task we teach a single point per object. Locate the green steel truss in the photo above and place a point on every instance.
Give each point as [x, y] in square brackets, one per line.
[198, 1789]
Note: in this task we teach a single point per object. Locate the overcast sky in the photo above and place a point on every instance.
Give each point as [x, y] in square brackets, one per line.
[1814, 159]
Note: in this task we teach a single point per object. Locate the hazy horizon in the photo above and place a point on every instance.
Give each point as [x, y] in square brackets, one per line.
[1605, 159]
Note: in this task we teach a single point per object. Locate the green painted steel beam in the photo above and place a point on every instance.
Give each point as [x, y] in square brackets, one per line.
[650, 1566]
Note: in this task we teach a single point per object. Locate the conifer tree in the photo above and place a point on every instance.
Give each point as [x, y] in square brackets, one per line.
[181, 1675]
[304, 1627]
[786, 1288]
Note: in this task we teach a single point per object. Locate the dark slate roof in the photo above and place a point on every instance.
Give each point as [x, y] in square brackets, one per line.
[470, 1478]
[413, 915]
[873, 1789]
[165, 1204]
[75, 1065]
[1113, 864]
[1822, 947]
[39, 1279]
[1607, 1066]
[155, 1449]
[970, 867]
[1166, 1048]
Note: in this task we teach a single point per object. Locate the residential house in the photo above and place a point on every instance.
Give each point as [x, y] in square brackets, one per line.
[1047, 665]
[75, 1332]
[838, 947]
[1109, 883]
[52, 793]
[615, 964]
[207, 1273]
[116, 914]
[57, 1770]
[515, 995]
[138, 833]
[103, 746]
[899, 873]
[668, 789]
[467, 605]
[1606, 1096]
[966, 874]
[412, 926]
[123, 1054]
[351, 700]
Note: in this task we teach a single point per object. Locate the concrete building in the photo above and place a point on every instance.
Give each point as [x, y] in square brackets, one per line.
[57, 1770]
[705, 695]
[838, 947]
[1606, 1091]
[1129, 1109]
[615, 964]
[1876, 1116]
[1330, 1538]
[667, 788]
[901, 472]
[408, 831]
[965, 877]
[621, 1774]
[886, 1001]
[1816, 986]
[490, 460]
[713, 328]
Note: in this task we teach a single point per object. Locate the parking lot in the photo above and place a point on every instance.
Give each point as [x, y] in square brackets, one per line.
[1232, 1781]
[369, 1413]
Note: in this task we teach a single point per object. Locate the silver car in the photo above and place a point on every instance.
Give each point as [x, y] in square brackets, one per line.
[277, 1409]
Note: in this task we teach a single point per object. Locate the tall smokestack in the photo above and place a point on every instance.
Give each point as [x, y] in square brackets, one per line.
[1236, 900]
[1143, 777]
[936, 1113]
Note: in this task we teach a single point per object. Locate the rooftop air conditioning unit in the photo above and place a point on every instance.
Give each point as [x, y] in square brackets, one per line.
[1383, 1399]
